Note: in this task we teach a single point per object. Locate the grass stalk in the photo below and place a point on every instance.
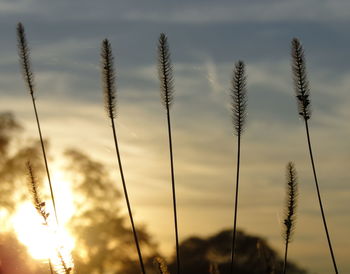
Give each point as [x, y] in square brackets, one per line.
[50, 265]
[28, 75]
[40, 208]
[319, 198]
[109, 89]
[239, 103]
[165, 72]
[290, 212]
[302, 91]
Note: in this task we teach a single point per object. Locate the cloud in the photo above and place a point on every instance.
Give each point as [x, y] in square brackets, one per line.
[16, 6]
[184, 12]
[252, 11]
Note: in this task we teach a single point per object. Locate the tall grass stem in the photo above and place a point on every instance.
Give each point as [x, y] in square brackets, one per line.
[127, 199]
[109, 91]
[28, 75]
[165, 73]
[238, 107]
[319, 197]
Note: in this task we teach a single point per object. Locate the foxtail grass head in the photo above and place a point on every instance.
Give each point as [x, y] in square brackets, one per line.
[24, 58]
[239, 97]
[61, 263]
[161, 265]
[291, 202]
[301, 83]
[165, 72]
[62, 267]
[108, 78]
[38, 203]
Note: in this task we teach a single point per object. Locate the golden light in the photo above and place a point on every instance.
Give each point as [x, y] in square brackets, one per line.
[43, 242]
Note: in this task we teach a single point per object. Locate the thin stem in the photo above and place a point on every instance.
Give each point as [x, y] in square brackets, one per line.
[127, 199]
[174, 192]
[51, 270]
[45, 158]
[319, 197]
[285, 258]
[236, 204]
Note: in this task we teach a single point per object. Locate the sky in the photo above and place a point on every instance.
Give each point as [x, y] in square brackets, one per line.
[206, 38]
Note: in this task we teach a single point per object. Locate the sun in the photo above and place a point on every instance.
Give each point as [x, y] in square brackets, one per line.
[43, 242]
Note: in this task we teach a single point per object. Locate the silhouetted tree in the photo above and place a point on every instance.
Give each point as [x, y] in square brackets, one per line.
[101, 230]
[12, 162]
[253, 256]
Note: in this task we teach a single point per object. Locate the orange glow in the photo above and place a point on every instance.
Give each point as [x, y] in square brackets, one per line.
[44, 242]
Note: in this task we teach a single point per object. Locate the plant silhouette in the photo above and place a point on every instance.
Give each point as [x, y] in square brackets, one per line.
[109, 91]
[28, 75]
[238, 105]
[302, 91]
[290, 211]
[165, 72]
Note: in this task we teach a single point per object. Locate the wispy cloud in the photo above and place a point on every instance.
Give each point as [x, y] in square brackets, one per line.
[252, 11]
[185, 12]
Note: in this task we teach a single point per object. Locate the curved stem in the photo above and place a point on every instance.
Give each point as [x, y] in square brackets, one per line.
[319, 196]
[285, 258]
[45, 158]
[50, 265]
[127, 198]
[234, 232]
[174, 192]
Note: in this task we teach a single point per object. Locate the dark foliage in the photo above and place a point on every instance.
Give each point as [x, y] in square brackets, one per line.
[254, 256]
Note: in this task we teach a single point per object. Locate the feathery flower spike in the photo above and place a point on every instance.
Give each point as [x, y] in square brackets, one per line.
[301, 83]
[165, 72]
[239, 97]
[108, 79]
[290, 211]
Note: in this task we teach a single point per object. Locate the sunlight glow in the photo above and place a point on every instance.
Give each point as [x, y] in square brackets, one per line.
[43, 242]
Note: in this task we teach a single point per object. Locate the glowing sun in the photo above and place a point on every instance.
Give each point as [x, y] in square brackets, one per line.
[43, 242]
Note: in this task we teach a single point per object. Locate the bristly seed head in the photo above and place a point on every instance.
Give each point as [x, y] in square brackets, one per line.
[39, 205]
[24, 58]
[165, 72]
[291, 202]
[108, 78]
[239, 97]
[301, 83]
[161, 265]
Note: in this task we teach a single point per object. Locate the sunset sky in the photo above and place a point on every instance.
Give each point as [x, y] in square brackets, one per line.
[206, 38]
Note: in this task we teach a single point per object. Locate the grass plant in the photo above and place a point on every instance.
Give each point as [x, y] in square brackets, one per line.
[290, 211]
[109, 90]
[28, 75]
[302, 91]
[61, 267]
[238, 106]
[165, 72]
